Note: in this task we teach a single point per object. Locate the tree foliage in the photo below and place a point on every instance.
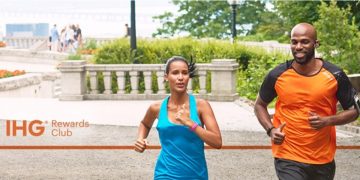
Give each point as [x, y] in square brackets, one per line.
[209, 18]
[294, 12]
[340, 40]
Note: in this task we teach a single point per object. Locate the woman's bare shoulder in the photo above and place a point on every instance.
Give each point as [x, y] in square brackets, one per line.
[155, 106]
[202, 103]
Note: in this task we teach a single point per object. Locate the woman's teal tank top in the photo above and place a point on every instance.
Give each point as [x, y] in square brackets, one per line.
[182, 151]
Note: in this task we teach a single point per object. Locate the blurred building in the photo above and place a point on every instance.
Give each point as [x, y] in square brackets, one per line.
[27, 30]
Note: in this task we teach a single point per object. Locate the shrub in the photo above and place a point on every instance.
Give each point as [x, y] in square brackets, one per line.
[89, 47]
[6, 73]
[2, 44]
[74, 57]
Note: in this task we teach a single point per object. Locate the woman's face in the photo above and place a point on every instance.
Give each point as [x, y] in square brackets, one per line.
[178, 76]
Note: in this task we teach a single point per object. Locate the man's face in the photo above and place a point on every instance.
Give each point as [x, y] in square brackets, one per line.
[302, 46]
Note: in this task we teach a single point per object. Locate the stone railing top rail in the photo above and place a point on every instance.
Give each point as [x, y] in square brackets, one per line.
[33, 54]
[219, 65]
[250, 43]
[16, 82]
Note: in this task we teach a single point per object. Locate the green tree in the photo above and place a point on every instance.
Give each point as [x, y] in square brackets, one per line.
[271, 27]
[276, 25]
[209, 18]
[294, 12]
[339, 37]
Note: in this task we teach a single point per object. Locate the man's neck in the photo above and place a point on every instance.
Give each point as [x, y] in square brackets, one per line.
[308, 69]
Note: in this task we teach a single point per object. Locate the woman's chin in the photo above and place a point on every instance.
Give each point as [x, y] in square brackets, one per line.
[180, 90]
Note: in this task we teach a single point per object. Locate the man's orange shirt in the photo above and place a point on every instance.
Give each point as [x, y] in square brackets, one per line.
[298, 95]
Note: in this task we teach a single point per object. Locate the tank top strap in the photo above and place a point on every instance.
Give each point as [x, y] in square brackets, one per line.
[193, 109]
[163, 111]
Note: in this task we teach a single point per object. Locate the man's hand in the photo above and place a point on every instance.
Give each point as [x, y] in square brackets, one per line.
[140, 145]
[276, 134]
[317, 122]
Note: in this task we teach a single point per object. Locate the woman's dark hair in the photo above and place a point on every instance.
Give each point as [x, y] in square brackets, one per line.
[191, 65]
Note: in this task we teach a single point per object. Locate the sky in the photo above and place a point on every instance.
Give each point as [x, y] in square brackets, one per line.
[97, 18]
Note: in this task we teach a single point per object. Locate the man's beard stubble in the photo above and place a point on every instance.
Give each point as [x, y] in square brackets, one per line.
[306, 59]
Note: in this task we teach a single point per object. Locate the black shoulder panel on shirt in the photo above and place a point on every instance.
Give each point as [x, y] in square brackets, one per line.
[267, 89]
[345, 93]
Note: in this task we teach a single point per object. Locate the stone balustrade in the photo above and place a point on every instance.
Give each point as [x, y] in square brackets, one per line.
[99, 41]
[269, 46]
[79, 81]
[29, 42]
[23, 42]
[40, 85]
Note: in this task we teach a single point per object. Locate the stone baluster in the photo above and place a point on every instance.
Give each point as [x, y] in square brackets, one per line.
[107, 82]
[134, 79]
[160, 81]
[147, 81]
[189, 86]
[93, 82]
[202, 82]
[121, 81]
[17, 43]
[25, 43]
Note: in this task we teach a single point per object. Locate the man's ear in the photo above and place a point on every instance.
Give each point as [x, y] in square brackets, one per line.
[317, 44]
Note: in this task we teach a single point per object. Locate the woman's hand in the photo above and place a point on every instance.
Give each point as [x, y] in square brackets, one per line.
[140, 145]
[183, 116]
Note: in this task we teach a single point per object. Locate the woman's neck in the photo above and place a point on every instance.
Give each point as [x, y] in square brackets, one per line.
[178, 99]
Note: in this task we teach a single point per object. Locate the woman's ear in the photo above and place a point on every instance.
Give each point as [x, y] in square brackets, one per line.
[166, 78]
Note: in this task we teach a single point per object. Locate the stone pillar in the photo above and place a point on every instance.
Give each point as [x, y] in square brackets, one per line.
[121, 81]
[73, 82]
[202, 82]
[107, 82]
[134, 79]
[355, 81]
[93, 83]
[147, 79]
[223, 79]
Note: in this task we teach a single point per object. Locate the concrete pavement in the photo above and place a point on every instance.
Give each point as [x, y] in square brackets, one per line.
[16, 63]
[128, 164]
[230, 115]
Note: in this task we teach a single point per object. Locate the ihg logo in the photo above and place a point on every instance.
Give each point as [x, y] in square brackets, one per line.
[34, 128]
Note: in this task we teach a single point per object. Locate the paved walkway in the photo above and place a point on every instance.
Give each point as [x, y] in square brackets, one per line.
[230, 115]
[17, 63]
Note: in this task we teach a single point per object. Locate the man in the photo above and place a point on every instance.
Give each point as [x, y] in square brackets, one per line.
[54, 38]
[127, 31]
[77, 36]
[303, 128]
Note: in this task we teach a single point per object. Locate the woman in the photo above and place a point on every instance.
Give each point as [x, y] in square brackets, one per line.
[184, 124]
